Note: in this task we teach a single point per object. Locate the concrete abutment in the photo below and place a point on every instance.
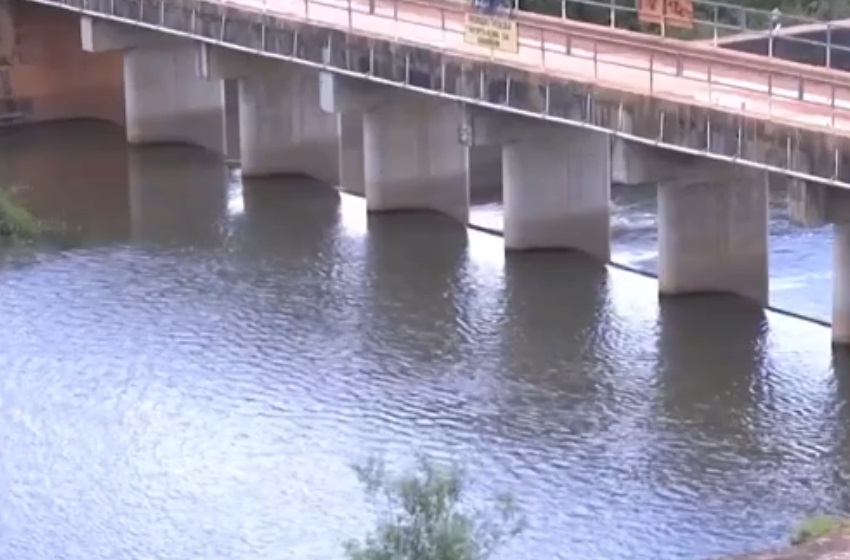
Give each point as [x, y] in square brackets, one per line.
[46, 76]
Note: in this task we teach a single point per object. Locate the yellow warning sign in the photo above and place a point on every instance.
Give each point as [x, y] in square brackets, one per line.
[491, 32]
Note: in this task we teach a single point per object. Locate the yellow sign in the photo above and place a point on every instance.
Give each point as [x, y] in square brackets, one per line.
[492, 32]
[675, 13]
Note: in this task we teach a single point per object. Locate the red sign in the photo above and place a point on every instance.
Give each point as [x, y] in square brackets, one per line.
[676, 13]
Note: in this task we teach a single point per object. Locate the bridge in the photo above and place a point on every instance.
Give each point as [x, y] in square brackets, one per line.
[394, 99]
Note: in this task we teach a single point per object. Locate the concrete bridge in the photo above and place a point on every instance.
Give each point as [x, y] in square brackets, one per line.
[389, 99]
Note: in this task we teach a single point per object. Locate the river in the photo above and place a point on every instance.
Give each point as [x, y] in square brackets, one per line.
[191, 372]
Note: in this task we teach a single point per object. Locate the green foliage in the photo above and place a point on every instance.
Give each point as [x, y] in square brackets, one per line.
[818, 527]
[16, 221]
[736, 16]
[422, 517]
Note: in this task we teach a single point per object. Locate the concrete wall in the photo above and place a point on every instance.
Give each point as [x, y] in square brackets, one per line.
[45, 75]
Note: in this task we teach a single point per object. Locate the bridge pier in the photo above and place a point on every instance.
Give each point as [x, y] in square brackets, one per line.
[282, 129]
[165, 100]
[412, 154]
[713, 232]
[841, 284]
[413, 159]
[557, 183]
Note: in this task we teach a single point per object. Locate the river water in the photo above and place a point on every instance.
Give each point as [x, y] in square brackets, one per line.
[190, 372]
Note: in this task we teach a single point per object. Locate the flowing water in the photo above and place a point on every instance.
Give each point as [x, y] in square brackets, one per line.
[191, 371]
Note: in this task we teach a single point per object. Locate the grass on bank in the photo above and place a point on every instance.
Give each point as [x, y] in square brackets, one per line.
[16, 222]
[819, 526]
[421, 517]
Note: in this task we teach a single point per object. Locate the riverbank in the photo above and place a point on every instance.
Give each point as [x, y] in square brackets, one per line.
[818, 538]
[16, 222]
[835, 547]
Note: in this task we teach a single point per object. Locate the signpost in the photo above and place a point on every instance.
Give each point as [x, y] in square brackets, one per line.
[491, 32]
[675, 13]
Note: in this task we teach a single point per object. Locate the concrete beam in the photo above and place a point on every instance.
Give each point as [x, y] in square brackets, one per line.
[219, 63]
[344, 95]
[97, 36]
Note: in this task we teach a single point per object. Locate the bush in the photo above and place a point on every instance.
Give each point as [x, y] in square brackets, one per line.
[15, 220]
[421, 517]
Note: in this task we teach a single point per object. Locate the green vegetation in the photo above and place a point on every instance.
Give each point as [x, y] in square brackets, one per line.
[734, 17]
[421, 517]
[818, 527]
[16, 222]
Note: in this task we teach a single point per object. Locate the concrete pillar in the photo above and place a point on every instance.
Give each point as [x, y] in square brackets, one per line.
[557, 183]
[283, 129]
[841, 284]
[350, 131]
[167, 102]
[413, 159]
[713, 232]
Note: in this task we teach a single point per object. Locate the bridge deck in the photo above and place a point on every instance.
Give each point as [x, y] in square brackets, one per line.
[679, 71]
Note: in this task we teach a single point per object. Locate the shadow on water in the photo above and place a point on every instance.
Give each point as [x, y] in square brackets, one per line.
[178, 195]
[284, 256]
[72, 173]
[836, 455]
[413, 271]
[553, 357]
[288, 216]
[712, 377]
[555, 314]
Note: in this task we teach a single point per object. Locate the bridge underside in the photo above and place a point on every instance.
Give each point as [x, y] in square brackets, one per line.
[545, 142]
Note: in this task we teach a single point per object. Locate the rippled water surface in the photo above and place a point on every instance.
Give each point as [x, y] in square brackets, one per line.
[190, 373]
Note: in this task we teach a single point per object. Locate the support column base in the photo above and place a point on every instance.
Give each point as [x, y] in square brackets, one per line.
[413, 159]
[167, 103]
[713, 234]
[557, 184]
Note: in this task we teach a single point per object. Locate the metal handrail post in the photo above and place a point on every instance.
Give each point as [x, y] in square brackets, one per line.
[716, 23]
[829, 44]
[651, 73]
[595, 60]
[832, 105]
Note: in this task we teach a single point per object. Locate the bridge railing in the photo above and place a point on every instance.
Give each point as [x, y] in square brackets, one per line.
[708, 20]
[689, 73]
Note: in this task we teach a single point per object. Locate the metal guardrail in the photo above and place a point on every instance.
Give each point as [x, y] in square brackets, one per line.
[783, 92]
[707, 20]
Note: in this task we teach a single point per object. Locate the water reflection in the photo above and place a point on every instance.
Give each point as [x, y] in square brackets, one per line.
[414, 291]
[200, 388]
[43, 164]
[178, 195]
[711, 365]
